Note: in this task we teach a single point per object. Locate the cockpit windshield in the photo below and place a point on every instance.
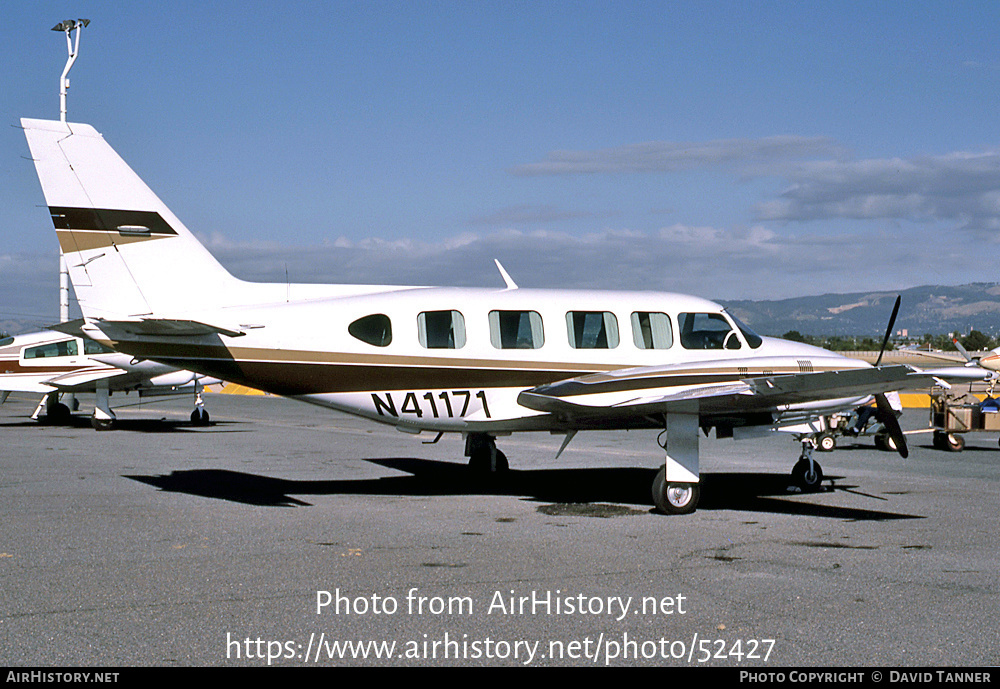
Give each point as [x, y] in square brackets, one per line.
[752, 338]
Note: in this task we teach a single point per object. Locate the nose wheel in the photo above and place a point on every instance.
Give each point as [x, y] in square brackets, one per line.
[807, 473]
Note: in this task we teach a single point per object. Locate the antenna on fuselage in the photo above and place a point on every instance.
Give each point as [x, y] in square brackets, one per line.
[506, 278]
[73, 48]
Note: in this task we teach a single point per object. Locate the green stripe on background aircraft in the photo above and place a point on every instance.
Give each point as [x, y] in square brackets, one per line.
[55, 364]
[480, 362]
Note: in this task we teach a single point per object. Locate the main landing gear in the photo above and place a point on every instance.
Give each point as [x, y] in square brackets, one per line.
[199, 417]
[58, 413]
[484, 457]
[676, 488]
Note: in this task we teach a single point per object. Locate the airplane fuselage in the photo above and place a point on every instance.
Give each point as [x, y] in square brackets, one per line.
[456, 359]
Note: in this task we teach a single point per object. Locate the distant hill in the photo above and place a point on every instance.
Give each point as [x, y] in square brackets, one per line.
[930, 309]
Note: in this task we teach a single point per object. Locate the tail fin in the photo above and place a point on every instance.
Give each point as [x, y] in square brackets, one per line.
[127, 254]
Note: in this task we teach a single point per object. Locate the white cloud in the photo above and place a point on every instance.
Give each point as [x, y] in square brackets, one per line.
[820, 183]
[673, 156]
[960, 187]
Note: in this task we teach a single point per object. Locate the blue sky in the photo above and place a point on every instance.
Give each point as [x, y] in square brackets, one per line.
[726, 149]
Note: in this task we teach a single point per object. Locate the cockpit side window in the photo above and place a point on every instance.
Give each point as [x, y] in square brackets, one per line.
[375, 329]
[592, 329]
[752, 338]
[45, 351]
[651, 330]
[441, 329]
[516, 330]
[707, 331]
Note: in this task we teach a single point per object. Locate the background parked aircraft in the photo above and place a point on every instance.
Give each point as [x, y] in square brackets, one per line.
[55, 364]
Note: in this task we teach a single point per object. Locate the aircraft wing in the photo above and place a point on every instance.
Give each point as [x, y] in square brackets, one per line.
[649, 390]
[76, 379]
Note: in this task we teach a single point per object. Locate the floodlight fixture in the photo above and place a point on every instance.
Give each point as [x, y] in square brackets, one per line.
[73, 48]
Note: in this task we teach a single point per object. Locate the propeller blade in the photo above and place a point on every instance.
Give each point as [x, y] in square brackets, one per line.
[968, 357]
[888, 331]
[887, 416]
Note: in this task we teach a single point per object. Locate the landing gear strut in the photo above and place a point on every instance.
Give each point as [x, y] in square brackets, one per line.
[103, 418]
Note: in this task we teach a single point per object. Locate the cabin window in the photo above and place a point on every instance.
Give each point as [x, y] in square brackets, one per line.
[707, 331]
[95, 347]
[6, 341]
[441, 329]
[375, 329]
[45, 351]
[516, 330]
[592, 329]
[651, 330]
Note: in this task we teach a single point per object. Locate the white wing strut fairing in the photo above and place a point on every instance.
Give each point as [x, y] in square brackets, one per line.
[481, 362]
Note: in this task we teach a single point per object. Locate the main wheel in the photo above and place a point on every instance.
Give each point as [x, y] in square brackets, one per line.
[809, 479]
[58, 414]
[101, 424]
[199, 417]
[675, 497]
[479, 462]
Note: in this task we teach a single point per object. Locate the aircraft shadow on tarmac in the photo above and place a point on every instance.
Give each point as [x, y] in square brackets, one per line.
[135, 425]
[754, 492]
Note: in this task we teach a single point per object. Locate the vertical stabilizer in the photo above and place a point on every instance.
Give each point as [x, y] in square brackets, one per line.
[127, 254]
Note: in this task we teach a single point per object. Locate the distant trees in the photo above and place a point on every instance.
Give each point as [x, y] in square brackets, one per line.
[975, 341]
[835, 343]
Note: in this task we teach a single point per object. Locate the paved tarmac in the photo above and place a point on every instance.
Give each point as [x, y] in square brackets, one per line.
[163, 544]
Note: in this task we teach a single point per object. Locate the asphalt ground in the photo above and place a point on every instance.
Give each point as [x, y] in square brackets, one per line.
[282, 531]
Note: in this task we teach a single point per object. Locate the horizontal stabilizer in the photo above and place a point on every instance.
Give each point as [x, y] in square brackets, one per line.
[161, 327]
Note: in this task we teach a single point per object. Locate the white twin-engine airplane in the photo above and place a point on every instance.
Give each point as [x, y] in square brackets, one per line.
[54, 364]
[481, 362]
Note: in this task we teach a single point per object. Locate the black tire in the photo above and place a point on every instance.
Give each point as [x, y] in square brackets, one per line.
[954, 442]
[57, 415]
[884, 442]
[479, 462]
[199, 417]
[101, 424]
[808, 481]
[676, 497]
[939, 440]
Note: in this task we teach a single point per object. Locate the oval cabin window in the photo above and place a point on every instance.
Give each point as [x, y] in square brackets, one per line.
[374, 330]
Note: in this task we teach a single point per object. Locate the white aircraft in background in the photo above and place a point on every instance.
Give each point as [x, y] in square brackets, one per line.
[987, 360]
[480, 362]
[54, 363]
